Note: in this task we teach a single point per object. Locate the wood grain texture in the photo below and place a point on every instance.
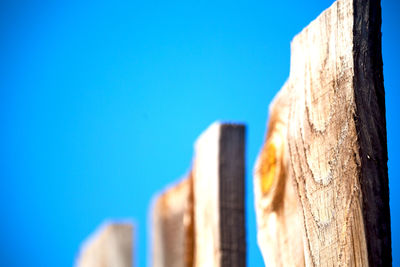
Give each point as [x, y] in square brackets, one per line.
[173, 236]
[322, 137]
[110, 246]
[335, 136]
[218, 183]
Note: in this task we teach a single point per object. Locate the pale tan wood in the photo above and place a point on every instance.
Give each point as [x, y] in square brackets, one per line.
[279, 222]
[323, 140]
[110, 246]
[173, 226]
[327, 137]
[218, 183]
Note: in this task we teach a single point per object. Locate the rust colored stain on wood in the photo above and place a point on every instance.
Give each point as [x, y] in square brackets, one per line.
[173, 226]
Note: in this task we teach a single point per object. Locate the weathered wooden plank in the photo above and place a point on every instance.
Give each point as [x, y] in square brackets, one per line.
[336, 144]
[218, 184]
[173, 226]
[110, 246]
[323, 146]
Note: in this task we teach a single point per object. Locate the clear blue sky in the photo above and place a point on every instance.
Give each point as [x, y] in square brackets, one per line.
[101, 102]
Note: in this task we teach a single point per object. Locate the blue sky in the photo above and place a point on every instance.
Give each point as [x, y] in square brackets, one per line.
[101, 102]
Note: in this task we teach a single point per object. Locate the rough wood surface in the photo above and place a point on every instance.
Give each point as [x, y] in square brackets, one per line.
[110, 246]
[218, 183]
[323, 145]
[336, 145]
[173, 227]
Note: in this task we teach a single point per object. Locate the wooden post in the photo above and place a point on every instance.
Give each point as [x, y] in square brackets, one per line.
[200, 222]
[173, 226]
[218, 182]
[332, 147]
[110, 246]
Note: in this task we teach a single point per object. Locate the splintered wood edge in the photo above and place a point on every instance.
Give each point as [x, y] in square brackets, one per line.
[173, 232]
[218, 179]
[111, 244]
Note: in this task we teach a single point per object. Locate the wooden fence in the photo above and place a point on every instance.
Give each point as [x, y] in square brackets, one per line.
[320, 181]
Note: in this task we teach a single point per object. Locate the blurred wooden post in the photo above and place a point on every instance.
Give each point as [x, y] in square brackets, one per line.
[219, 188]
[200, 222]
[327, 140]
[173, 227]
[110, 246]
